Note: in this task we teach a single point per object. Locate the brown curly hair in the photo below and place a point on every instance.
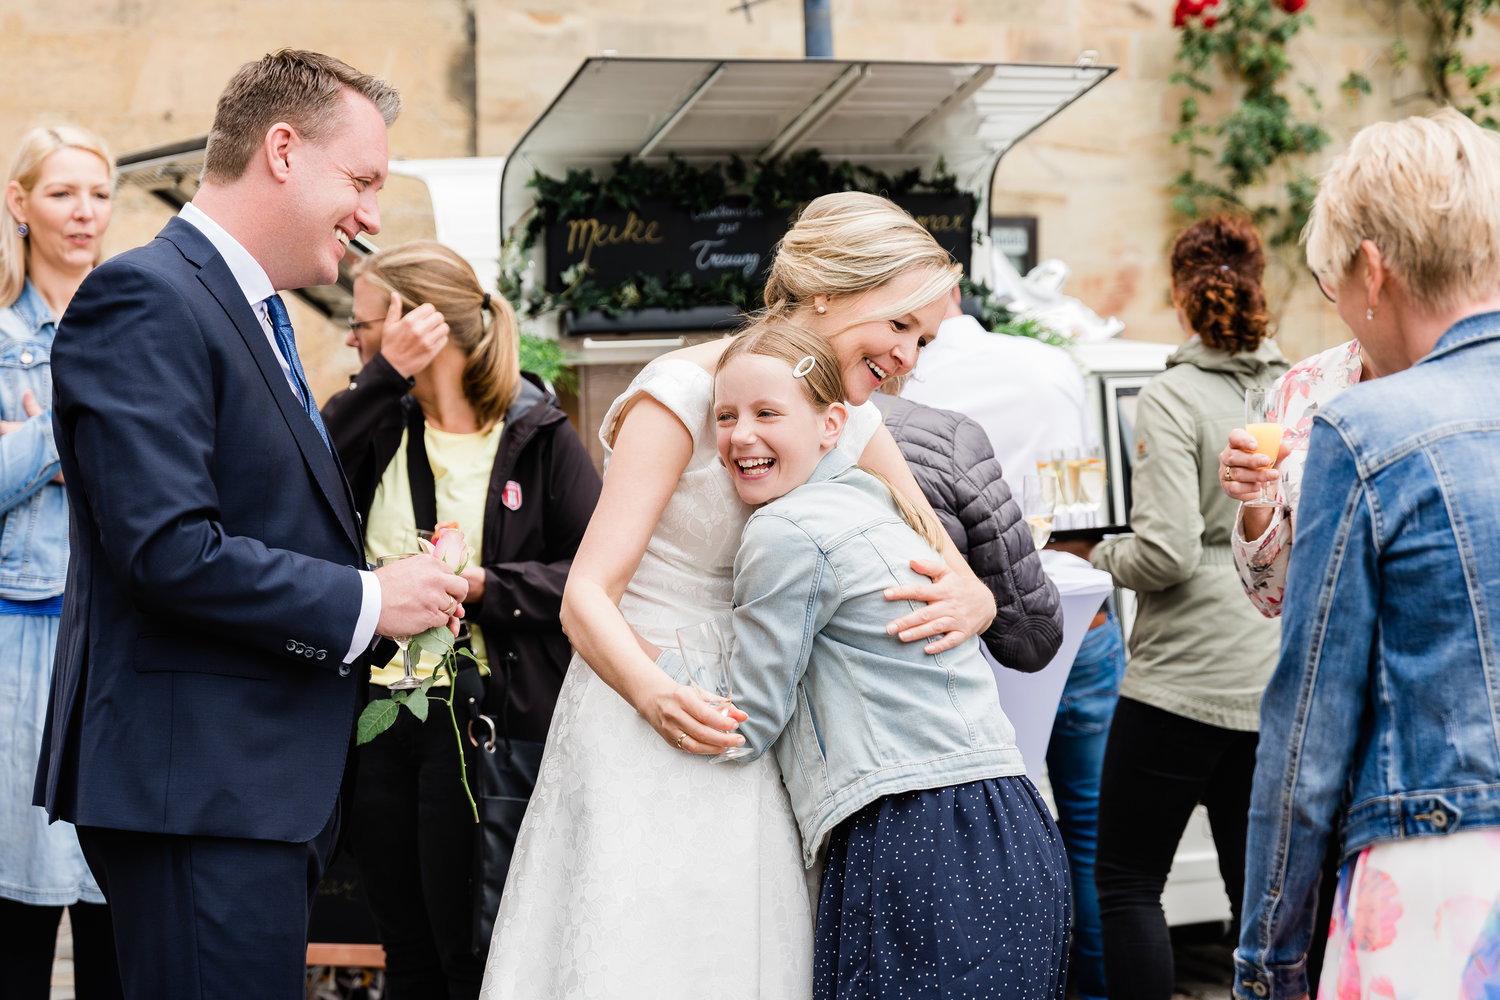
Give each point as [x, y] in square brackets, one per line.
[1217, 265]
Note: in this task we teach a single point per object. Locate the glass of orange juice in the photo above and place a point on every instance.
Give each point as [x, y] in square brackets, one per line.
[1259, 424]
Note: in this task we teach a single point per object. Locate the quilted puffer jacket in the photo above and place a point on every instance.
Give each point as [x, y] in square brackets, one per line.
[951, 457]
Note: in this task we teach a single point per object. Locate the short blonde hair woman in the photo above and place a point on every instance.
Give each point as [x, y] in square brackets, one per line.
[58, 199]
[1379, 721]
[626, 818]
[468, 439]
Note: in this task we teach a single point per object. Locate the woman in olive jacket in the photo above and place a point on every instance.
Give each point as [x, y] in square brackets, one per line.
[1185, 728]
[524, 511]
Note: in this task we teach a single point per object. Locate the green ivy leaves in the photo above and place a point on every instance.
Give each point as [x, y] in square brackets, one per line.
[1261, 136]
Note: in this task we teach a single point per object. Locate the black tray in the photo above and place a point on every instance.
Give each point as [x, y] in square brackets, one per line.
[1093, 534]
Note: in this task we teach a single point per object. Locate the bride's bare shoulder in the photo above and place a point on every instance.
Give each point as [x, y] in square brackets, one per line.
[704, 355]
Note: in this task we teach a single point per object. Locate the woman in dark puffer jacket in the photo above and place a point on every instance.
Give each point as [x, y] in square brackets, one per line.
[951, 457]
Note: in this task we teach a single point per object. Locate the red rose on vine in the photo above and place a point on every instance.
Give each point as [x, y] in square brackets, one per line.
[1196, 8]
[1292, 6]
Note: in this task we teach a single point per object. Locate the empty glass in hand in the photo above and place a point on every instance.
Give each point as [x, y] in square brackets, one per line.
[707, 650]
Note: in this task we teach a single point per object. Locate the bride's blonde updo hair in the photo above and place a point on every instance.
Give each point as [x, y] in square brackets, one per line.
[849, 243]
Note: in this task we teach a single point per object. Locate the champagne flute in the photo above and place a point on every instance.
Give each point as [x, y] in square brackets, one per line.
[1090, 481]
[1036, 510]
[1065, 465]
[707, 649]
[1259, 411]
[409, 680]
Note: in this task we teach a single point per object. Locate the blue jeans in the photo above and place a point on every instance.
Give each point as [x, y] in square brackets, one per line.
[1075, 756]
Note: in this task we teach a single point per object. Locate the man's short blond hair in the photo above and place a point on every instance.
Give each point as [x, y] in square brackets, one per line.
[1426, 191]
[303, 89]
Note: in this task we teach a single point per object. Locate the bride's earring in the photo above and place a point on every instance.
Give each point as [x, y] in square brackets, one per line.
[820, 310]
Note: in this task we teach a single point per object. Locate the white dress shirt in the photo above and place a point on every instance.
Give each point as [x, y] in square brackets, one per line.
[1028, 396]
[256, 287]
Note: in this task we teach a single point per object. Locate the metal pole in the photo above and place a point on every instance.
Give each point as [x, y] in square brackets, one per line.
[817, 26]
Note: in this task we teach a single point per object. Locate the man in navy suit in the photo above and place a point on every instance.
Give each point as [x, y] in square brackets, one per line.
[218, 617]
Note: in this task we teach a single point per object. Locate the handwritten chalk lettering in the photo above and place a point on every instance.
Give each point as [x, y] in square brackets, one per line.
[943, 223]
[584, 235]
[726, 212]
[726, 228]
[708, 260]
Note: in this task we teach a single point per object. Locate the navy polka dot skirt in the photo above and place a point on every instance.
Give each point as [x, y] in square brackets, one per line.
[945, 892]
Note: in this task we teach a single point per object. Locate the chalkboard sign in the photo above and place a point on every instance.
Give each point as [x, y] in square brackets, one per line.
[732, 238]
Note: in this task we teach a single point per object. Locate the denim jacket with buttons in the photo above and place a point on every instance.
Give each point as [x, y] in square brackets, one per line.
[854, 714]
[1384, 709]
[34, 539]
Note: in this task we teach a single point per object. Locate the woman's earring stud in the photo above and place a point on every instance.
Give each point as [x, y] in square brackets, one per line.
[23, 230]
[1369, 314]
[820, 310]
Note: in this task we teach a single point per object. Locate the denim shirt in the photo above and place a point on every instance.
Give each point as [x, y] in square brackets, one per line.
[1385, 706]
[854, 714]
[34, 541]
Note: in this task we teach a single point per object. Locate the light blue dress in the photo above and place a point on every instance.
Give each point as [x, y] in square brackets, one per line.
[40, 864]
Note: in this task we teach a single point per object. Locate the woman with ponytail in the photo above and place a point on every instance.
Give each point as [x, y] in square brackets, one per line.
[1184, 731]
[467, 438]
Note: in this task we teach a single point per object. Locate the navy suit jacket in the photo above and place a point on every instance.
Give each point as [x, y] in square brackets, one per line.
[212, 585]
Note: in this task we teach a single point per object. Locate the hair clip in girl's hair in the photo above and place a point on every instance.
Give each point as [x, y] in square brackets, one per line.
[486, 303]
[804, 366]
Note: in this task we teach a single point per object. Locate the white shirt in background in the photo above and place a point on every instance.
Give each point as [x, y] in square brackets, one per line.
[1028, 396]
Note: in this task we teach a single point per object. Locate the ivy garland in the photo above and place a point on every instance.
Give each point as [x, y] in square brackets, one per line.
[769, 186]
[1450, 78]
[1261, 136]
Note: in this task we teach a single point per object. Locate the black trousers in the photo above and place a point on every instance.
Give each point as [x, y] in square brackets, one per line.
[1158, 766]
[197, 918]
[28, 936]
[412, 835]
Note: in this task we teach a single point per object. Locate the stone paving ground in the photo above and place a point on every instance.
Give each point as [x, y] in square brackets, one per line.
[1203, 964]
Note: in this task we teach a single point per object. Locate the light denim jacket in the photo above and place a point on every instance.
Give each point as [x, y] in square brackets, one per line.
[1385, 705]
[855, 714]
[34, 540]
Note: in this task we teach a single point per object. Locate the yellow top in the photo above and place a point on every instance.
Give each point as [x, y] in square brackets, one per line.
[461, 465]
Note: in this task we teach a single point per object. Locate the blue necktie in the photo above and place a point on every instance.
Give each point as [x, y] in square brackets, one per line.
[288, 345]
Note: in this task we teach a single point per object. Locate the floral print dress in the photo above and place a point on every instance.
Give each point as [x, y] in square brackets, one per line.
[1309, 384]
[1417, 918]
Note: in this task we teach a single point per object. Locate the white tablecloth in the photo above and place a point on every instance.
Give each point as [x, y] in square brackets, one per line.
[1030, 700]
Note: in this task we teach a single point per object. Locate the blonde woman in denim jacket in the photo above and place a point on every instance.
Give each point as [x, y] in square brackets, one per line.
[944, 871]
[1382, 716]
[58, 198]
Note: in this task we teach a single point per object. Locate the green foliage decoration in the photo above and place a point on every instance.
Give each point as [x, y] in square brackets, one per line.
[1451, 78]
[1261, 139]
[771, 186]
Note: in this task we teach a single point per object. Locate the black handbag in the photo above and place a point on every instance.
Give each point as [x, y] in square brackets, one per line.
[502, 771]
[502, 774]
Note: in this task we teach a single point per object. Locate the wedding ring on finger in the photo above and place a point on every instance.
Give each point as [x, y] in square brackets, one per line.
[680, 739]
[1227, 477]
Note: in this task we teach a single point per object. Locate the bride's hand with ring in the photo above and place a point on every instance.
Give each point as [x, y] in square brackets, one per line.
[684, 718]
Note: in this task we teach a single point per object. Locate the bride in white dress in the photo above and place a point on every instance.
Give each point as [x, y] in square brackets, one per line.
[642, 870]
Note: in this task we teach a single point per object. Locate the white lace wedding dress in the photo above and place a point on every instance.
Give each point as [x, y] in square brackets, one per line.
[642, 871]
